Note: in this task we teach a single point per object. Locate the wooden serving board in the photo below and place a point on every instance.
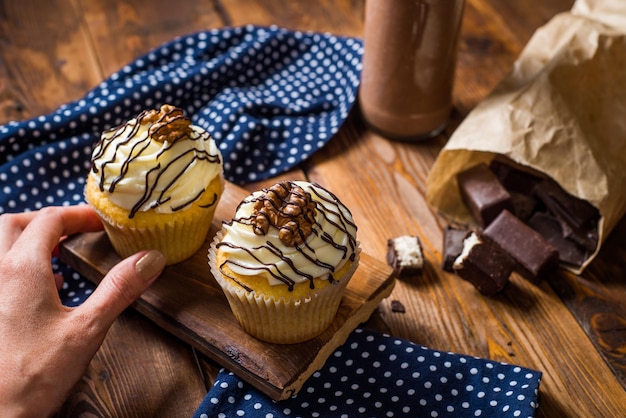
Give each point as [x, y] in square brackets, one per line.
[187, 302]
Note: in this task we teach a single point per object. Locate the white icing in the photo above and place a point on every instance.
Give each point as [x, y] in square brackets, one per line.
[332, 218]
[153, 175]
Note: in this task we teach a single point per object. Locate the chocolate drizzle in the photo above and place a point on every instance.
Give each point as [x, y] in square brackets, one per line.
[267, 267]
[324, 205]
[167, 127]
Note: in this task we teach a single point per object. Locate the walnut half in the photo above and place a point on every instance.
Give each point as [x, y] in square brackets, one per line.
[168, 124]
[287, 207]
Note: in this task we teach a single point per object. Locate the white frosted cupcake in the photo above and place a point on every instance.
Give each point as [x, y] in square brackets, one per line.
[285, 260]
[155, 181]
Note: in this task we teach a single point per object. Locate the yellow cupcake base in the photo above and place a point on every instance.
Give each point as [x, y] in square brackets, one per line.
[177, 235]
[283, 320]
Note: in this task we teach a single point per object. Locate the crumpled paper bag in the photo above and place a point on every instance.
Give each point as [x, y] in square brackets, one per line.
[561, 110]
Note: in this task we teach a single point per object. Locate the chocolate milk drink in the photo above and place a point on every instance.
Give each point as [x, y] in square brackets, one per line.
[408, 66]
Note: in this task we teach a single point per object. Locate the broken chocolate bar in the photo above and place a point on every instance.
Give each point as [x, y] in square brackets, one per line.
[576, 212]
[484, 264]
[565, 222]
[569, 252]
[523, 206]
[578, 218]
[405, 255]
[483, 194]
[452, 246]
[536, 258]
[514, 179]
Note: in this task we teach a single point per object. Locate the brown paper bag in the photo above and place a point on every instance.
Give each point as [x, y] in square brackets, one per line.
[561, 110]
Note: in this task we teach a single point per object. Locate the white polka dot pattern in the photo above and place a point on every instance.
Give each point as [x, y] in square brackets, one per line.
[376, 375]
[270, 97]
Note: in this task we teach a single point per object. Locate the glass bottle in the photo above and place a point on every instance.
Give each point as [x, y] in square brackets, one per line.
[409, 61]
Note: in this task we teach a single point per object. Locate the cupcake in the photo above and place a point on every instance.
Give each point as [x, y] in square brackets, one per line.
[285, 259]
[155, 181]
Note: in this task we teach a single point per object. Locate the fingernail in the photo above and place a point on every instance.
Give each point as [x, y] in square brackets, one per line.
[150, 265]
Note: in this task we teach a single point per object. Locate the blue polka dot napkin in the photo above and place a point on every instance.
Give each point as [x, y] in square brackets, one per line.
[271, 98]
[376, 375]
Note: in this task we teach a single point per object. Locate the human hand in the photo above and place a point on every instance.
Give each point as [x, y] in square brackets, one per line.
[46, 346]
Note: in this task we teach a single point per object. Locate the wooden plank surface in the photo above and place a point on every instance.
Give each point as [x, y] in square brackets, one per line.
[187, 302]
[571, 328]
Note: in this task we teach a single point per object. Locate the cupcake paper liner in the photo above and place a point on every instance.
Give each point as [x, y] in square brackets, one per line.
[176, 240]
[177, 237]
[282, 320]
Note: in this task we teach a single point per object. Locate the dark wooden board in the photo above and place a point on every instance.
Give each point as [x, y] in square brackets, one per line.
[187, 302]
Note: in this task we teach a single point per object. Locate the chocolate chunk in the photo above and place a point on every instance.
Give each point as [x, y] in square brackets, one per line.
[484, 264]
[514, 179]
[397, 306]
[452, 246]
[536, 258]
[569, 252]
[483, 194]
[586, 238]
[577, 212]
[405, 255]
[523, 206]
[578, 218]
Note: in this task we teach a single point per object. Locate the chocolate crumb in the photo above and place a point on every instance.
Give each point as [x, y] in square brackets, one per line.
[397, 306]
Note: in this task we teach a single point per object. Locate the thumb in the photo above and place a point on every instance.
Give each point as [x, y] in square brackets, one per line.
[123, 284]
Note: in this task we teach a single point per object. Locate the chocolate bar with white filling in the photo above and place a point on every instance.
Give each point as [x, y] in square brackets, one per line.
[484, 264]
[550, 228]
[452, 246]
[536, 258]
[483, 193]
[405, 256]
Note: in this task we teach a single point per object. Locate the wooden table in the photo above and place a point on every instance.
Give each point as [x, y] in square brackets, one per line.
[573, 329]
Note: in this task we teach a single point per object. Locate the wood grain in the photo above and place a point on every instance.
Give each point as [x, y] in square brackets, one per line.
[187, 301]
[43, 56]
[452, 316]
[124, 30]
[115, 384]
